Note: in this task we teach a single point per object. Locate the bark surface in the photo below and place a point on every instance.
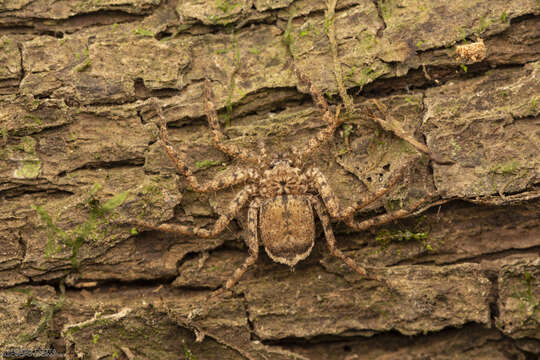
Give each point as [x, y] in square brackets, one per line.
[79, 155]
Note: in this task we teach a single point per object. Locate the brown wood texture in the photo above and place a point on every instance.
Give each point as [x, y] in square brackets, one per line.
[461, 280]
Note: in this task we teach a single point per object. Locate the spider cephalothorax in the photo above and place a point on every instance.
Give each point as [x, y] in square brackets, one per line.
[282, 178]
[281, 196]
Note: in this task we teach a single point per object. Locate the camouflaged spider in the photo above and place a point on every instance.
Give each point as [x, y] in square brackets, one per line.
[283, 196]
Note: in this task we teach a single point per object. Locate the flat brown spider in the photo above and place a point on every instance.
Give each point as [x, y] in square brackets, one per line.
[282, 196]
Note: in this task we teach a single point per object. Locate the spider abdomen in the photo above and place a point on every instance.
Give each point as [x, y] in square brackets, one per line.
[287, 228]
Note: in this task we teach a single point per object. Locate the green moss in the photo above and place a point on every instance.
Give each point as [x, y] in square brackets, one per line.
[365, 43]
[350, 73]
[212, 18]
[47, 312]
[287, 34]
[385, 236]
[222, 51]
[151, 189]
[74, 329]
[418, 233]
[328, 22]
[188, 354]
[369, 74]
[305, 29]
[528, 301]
[6, 42]
[227, 6]
[455, 147]
[93, 229]
[29, 169]
[206, 164]
[484, 24]
[112, 203]
[386, 7]
[232, 83]
[28, 293]
[84, 66]
[533, 105]
[507, 168]
[347, 129]
[463, 35]
[504, 17]
[97, 322]
[27, 144]
[144, 32]
[4, 133]
[464, 67]
[34, 118]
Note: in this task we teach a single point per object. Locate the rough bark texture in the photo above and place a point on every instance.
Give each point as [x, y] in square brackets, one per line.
[462, 279]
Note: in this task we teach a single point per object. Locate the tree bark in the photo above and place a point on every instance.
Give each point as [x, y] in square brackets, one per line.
[80, 158]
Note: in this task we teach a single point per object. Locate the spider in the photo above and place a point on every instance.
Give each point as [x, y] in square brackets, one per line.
[283, 197]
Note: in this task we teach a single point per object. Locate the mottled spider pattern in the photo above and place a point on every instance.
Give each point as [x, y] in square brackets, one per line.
[283, 197]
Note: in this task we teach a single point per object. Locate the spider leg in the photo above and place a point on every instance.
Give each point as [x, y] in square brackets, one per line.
[331, 240]
[332, 119]
[252, 242]
[263, 154]
[224, 219]
[316, 94]
[332, 202]
[383, 218]
[218, 136]
[240, 176]
[321, 137]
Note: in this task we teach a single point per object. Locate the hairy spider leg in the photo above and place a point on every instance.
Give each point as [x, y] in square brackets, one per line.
[383, 218]
[331, 240]
[233, 151]
[325, 134]
[316, 94]
[331, 201]
[240, 176]
[224, 219]
[252, 241]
